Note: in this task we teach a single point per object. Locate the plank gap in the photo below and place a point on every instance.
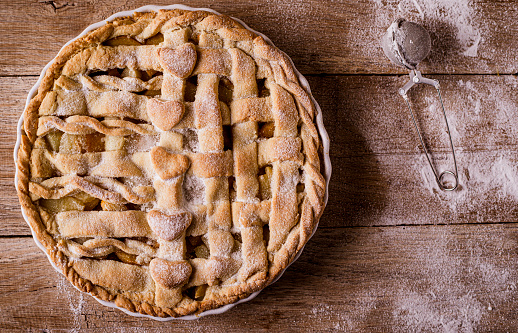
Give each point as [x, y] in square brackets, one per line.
[470, 224]
[398, 74]
[15, 236]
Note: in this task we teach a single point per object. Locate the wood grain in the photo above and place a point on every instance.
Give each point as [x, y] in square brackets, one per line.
[393, 253]
[391, 279]
[14, 91]
[365, 114]
[321, 38]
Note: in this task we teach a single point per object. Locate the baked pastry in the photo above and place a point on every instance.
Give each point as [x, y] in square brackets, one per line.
[169, 162]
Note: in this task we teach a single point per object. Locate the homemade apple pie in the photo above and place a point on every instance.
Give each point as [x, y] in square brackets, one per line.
[170, 162]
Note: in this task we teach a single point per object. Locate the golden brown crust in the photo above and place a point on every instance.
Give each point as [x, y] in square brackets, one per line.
[283, 82]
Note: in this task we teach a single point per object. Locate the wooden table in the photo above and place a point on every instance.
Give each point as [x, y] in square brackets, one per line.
[393, 252]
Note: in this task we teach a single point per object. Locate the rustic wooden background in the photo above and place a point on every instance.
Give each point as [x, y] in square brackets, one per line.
[393, 253]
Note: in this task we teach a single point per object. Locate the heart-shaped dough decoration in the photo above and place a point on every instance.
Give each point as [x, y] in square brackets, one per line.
[170, 274]
[180, 61]
[168, 226]
[168, 165]
[165, 114]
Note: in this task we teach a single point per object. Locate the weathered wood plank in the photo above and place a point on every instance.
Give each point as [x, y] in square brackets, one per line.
[401, 190]
[321, 36]
[392, 279]
[365, 114]
[14, 91]
[380, 176]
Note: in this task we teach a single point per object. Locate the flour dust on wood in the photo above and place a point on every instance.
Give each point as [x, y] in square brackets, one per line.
[457, 29]
[75, 302]
[453, 290]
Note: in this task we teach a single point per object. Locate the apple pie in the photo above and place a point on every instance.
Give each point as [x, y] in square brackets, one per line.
[170, 162]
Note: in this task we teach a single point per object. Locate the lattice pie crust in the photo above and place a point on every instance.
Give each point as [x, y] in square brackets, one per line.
[170, 162]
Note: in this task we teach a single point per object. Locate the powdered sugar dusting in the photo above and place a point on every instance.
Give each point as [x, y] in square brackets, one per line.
[488, 176]
[462, 290]
[324, 313]
[459, 14]
[425, 312]
[455, 27]
[487, 192]
[190, 137]
[137, 143]
[194, 190]
[75, 301]
[363, 305]
[447, 304]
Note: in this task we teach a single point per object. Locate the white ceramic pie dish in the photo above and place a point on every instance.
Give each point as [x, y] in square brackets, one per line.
[304, 83]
